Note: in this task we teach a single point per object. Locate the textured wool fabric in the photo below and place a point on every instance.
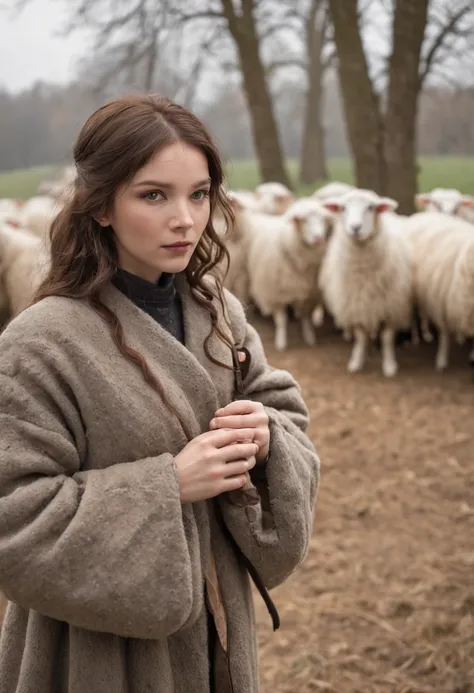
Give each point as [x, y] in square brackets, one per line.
[103, 565]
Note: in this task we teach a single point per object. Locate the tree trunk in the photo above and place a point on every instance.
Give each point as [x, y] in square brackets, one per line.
[402, 102]
[313, 165]
[150, 65]
[264, 126]
[363, 117]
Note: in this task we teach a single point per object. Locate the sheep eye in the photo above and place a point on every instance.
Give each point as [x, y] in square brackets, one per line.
[372, 208]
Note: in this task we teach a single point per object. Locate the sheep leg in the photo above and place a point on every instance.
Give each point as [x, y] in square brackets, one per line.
[347, 335]
[471, 355]
[389, 361]
[359, 350]
[425, 329]
[280, 319]
[317, 318]
[307, 330]
[415, 334]
[443, 350]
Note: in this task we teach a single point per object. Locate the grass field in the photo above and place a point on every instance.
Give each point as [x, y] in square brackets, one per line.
[445, 172]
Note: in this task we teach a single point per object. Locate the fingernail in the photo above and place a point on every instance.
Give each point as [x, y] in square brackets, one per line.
[213, 424]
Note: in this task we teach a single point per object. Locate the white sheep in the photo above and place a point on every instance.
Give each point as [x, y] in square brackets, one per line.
[460, 299]
[447, 201]
[59, 187]
[24, 262]
[331, 190]
[442, 259]
[236, 278]
[283, 255]
[273, 198]
[326, 192]
[268, 198]
[10, 210]
[366, 276]
[37, 214]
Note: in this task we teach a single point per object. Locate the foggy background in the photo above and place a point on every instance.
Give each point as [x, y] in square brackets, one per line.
[58, 61]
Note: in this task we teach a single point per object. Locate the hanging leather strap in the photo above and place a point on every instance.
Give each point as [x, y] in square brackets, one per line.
[240, 370]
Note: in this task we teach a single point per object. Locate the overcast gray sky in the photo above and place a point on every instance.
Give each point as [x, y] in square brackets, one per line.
[29, 49]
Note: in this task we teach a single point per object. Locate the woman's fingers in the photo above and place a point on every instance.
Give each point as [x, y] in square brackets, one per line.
[239, 467]
[237, 421]
[240, 406]
[238, 451]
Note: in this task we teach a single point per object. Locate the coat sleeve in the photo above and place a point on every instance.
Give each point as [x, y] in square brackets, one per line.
[109, 550]
[274, 533]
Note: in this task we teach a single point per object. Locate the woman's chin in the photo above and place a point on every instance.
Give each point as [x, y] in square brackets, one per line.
[175, 265]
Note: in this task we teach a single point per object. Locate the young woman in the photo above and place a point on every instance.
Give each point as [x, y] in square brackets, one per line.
[141, 478]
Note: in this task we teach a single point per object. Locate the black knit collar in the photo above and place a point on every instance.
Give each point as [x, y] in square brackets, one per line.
[141, 290]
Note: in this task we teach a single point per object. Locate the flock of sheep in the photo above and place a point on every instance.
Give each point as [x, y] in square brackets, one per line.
[342, 251]
[346, 251]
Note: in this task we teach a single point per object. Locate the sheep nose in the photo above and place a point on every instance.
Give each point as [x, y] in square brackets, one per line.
[356, 229]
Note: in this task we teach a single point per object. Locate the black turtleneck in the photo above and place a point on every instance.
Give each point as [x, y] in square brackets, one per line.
[161, 300]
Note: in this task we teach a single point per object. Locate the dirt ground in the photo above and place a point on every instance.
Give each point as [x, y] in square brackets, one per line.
[385, 599]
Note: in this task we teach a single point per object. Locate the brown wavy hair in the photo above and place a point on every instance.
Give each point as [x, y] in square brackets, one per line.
[115, 142]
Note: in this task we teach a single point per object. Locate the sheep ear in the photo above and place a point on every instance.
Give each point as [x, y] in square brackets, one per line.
[423, 199]
[467, 201]
[298, 222]
[386, 204]
[333, 206]
[235, 203]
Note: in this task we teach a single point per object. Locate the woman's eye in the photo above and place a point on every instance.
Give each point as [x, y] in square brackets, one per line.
[152, 196]
[200, 194]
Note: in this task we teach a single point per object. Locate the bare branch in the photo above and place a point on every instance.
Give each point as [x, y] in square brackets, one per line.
[205, 14]
[445, 31]
[275, 65]
[330, 59]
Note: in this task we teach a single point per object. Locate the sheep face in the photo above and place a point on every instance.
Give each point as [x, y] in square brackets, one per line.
[10, 211]
[358, 212]
[274, 198]
[447, 201]
[313, 223]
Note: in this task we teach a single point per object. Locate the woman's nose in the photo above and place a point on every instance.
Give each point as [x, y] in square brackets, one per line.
[181, 217]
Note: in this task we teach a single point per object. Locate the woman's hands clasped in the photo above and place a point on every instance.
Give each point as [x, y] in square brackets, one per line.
[215, 462]
[244, 413]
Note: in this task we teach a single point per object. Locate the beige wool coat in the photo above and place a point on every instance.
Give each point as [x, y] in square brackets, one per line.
[103, 566]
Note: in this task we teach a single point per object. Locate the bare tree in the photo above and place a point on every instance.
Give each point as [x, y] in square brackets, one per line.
[242, 27]
[313, 163]
[382, 126]
[361, 104]
[137, 30]
[402, 102]
[311, 51]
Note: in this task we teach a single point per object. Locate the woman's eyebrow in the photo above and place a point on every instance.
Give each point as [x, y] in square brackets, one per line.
[159, 184]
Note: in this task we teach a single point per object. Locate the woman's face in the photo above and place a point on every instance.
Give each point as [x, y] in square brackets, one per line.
[159, 217]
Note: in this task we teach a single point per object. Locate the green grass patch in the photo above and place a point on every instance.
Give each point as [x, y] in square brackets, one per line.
[442, 172]
[23, 183]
